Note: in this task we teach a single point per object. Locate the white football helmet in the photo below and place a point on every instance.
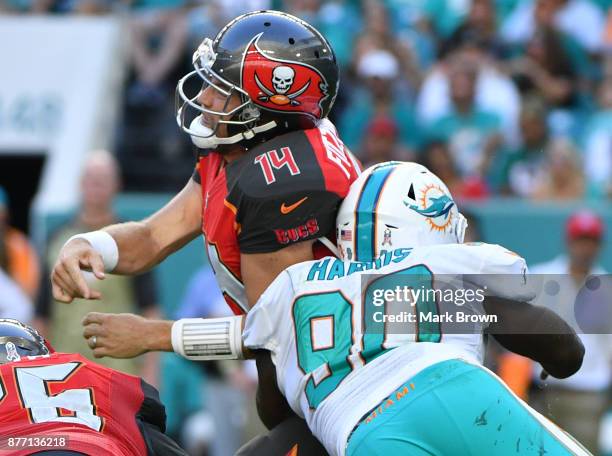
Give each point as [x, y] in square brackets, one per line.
[396, 205]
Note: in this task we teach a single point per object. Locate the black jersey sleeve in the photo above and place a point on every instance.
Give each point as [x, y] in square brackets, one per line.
[151, 420]
[152, 411]
[158, 443]
[283, 193]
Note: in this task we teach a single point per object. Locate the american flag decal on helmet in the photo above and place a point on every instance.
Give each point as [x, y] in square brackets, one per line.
[346, 235]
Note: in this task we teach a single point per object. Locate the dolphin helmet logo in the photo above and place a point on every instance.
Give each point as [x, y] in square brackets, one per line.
[436, 206]
[282, 85]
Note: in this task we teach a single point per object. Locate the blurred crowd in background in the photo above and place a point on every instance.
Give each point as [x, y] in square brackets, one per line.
[497, 97]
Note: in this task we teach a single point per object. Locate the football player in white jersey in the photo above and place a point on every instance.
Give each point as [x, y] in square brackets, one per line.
[376, 369]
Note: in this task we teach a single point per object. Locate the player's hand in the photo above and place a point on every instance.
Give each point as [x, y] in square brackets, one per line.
[67, 278]
[116, 335]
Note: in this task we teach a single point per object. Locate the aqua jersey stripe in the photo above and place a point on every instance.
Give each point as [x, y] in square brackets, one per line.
[365, 239]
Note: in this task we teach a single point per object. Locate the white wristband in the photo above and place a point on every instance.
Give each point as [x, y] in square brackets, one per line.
[104, 244]
[203, 339]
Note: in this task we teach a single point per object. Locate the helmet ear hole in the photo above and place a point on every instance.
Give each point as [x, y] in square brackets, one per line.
[250, 112]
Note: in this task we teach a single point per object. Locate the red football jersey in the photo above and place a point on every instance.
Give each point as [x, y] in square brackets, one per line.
[69, 396]
[285, 190]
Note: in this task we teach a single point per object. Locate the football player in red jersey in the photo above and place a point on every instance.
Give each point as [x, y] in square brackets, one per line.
[270, 176]
[63, 404]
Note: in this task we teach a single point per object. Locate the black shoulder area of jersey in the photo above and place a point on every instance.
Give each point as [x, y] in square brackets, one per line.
[279, 193]
[248, 175]
[152, 410]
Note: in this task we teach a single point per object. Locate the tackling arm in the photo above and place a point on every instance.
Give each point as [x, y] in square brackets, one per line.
[272, 406]
[536, 332]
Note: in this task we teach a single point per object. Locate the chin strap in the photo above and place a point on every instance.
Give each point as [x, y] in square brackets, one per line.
[203, 137]
[330, 245]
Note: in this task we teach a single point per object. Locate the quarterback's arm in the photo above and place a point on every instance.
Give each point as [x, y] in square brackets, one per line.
[536, 332]
[198, 339]
[133, 247]
[144, 244]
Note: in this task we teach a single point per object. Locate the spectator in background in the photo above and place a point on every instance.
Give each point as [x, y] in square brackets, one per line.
[579, 19]
[14, 303]
[562, 177]
[472, 134]
[436, 157]
[85, 7]
[608, 33]
[378, 35]
[380, 143]
[62, 323]
[158, 35]
[479, 29]
[379, 94]
[18, 258]
[494, 91]
[520, 168]
[154, 155]
[598, 141]
[441, 17]
[578, 403]
[546, 69]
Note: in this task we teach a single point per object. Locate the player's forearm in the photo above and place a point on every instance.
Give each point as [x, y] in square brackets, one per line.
[158, 335]
[137, 247]
[142, 246]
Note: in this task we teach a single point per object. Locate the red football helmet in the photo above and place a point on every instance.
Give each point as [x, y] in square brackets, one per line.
[282, 68]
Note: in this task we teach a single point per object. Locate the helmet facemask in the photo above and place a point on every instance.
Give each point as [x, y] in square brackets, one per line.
[242, 120]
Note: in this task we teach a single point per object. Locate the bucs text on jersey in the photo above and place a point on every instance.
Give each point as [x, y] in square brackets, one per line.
[285, 190]
[334, 363]
[96, 409]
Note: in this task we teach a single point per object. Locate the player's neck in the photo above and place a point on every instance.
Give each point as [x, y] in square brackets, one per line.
[230, 155]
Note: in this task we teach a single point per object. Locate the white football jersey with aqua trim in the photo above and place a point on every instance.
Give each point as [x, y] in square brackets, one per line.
[336, 352]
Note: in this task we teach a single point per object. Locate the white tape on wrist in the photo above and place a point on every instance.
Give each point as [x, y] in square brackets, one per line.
[104, 244]
[203, 339]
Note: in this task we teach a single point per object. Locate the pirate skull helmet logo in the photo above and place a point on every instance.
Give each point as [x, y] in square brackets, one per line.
[282, 79]
[282, 85]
